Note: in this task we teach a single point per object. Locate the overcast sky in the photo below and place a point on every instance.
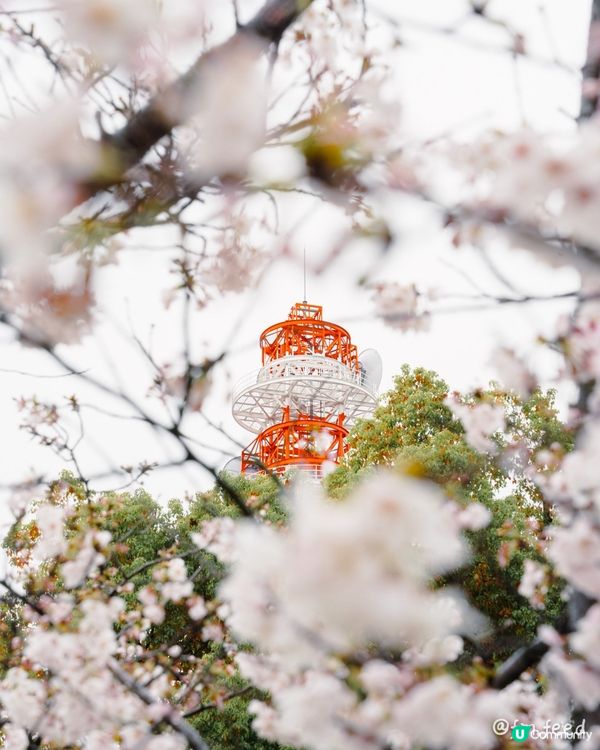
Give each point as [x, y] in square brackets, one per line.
[445, 84]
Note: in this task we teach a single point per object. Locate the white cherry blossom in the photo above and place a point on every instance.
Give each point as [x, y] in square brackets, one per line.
[575, 551]
[300, 586]
[586, 639]
[534, 583]
[481, 421]
[217, 536]
[50, 521]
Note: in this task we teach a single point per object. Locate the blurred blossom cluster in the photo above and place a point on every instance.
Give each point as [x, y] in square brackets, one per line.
[344, 622]
[547, 183]
[304, 580]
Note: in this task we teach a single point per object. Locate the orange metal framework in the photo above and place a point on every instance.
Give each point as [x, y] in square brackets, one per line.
[305, 332]
[306, 441]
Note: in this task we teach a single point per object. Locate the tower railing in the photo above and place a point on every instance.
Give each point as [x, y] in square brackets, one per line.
[306, 441]
[304, 366]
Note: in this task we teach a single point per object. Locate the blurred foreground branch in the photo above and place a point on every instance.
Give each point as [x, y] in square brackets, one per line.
[171, 106]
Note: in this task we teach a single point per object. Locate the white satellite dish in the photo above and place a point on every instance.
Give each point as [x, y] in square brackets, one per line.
[233, 466]
[371, 368]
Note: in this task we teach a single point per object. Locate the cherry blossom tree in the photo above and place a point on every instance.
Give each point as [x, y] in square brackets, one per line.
[342, 621]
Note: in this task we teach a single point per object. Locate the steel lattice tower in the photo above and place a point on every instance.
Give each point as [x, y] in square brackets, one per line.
[311, 388]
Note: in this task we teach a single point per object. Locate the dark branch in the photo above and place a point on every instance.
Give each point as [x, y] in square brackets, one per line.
[22, 597]
[171, 107]
[173, 719]
[224, 699]
[271, 22]
[591, 68]
[517, 663]
[578, 603]
[174, 430]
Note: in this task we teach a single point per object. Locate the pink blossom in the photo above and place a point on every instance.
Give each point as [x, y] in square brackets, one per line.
[575, 550]
[155, 613]
[87, 560]
[267, 672]
[442, 713]
[213, 631]
[382, 678]
[514, 374]
[436, 651]
[586, 639]
[59, 609]
[481, 421]
[22, 698]
[197, 608]
[294, 592]
[397, 305]
[99, 740]
[533, 585]
[228, 110]
[265, 720]
[582, 682]
[312, 712]
[217, 536]
[110, 29]
[549, 635]
[170, 741]
[178, 387]
[15, 737]
[581, 343]
[176, 570]
[474, 516]
[147, 595]
[50, 521]
[531, 177]
[152, 609]
[176, 591]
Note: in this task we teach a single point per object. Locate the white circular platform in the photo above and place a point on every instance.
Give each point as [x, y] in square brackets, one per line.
[310, 384]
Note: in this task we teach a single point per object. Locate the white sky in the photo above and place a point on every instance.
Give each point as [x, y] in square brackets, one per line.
[444, 85]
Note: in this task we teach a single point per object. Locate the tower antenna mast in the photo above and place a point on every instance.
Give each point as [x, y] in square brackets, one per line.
[304, 298]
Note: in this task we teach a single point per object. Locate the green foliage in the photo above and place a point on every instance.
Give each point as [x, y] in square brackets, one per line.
[144, 532]
[261, 493]
[414, 431]
[412, 427]
[229, 728]
[10, 627]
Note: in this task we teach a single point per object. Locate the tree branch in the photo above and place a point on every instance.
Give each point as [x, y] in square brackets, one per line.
[224, 699]
[172, 718]
[518, 662]
[578, 603]
[21, 597]
[271, 22]
[171, 106]
[591, 68]
[174, 429]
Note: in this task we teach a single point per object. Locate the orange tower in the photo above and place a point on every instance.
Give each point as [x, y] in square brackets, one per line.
[311, 388]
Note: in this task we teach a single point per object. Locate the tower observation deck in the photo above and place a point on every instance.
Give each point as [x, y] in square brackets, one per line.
[311, 388]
